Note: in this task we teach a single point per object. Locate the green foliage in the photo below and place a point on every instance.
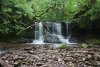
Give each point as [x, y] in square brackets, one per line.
[10, 18]
[64, 46]
[90, 10]
[16, 15]
[84, 45]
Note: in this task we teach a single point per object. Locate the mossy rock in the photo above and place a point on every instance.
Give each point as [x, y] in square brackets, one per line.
[84, 45]
[64, 46]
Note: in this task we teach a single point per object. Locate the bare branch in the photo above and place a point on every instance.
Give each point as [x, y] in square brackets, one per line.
[25, 29]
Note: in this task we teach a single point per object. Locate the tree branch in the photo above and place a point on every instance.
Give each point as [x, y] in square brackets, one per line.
[46, 10]
[25, 29]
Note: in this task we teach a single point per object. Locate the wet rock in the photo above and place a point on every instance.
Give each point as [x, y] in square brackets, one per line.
[22, 40]
[2, 63]
[73, 40]
[52, 39]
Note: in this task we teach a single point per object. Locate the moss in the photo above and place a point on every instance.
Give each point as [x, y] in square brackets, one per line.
[92, 40]
[84, 45]
[64, 46]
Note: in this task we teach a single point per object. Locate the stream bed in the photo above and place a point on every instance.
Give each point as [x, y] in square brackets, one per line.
[45, 56]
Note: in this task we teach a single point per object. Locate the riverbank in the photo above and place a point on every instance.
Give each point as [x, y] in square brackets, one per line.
[45, 56]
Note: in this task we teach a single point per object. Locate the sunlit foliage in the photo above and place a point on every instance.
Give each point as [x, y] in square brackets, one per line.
[16, 15]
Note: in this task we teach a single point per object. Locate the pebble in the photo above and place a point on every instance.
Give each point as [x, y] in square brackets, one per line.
[28, 57]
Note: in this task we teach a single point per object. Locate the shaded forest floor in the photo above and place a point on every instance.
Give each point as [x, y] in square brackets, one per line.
[45, 56]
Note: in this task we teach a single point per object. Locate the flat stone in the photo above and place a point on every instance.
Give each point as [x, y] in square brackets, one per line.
[24, 66]
[15, 57]
[15, 63]
[27, 48]
[20, 57]
[31, 51]
[39, 64]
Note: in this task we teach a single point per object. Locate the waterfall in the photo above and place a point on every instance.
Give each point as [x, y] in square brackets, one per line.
[55, 36]
[39, 39]
[67, 29]
[41, 32]
[57, 32]
[57, 29]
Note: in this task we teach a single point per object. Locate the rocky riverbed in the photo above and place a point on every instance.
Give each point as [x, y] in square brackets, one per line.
[45, 56]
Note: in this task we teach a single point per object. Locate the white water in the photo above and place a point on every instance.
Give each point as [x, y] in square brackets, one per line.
[39, 39]
[58, 27]
[57, 31]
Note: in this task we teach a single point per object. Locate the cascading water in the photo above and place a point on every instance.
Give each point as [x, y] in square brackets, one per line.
[39, 39]
[57, 32]
[57, 29]
[68, 33]
[55, 36]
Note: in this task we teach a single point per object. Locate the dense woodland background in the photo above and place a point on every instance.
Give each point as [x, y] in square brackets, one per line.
[16, 16]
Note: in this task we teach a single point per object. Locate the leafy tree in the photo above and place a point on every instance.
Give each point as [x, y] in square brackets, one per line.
[18, 15]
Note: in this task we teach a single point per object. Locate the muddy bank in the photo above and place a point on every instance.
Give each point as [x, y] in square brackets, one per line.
[44, 56]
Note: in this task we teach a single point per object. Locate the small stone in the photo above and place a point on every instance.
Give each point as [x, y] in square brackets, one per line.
[24, 66]
[67, 59]
[98, 62]
[15, 57]
[45, 65]
[2, 63]
[31, 52]
[54, 56]
[3, 58]
[15, 63]
[89, 56]
[44, 60]
[59, 59]
[6, 61]
[27, 48]
[39, 64]
[20, 57]
[83, 59]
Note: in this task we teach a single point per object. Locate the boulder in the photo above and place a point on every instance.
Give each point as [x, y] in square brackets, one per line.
[52, 39]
